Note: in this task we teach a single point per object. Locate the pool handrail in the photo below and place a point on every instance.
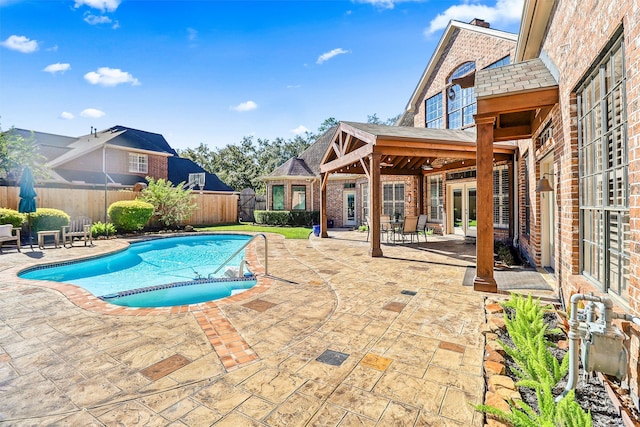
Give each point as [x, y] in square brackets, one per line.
[266, 262]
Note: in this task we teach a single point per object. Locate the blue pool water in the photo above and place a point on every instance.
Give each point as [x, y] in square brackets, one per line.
[157, 273]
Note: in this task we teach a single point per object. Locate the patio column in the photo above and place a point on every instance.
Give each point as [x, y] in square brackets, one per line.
[323, 204]
[374, 204]
[484, 280]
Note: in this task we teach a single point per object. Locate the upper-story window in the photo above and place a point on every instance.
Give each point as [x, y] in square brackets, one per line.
[500, 62]
[138, 163]
[434, 112]
[461, 103]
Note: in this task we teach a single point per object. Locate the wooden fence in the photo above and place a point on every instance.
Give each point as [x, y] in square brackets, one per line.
[213, 208]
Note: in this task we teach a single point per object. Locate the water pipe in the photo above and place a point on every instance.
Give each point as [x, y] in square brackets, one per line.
[574, 334]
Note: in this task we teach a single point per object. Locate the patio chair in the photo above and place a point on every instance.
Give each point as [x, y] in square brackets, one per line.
[9, 234]
[409, 228]
[79, 228]
[385, 226]
[422, 227]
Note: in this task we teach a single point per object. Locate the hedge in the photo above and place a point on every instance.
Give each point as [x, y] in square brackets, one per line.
[292, 218]
[48, 219]
[11, 216]
[130, 215]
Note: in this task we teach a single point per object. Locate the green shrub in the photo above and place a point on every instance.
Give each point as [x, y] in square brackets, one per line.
[293, 218]
[130, 215]
[103, 229]
[10, 216]
[172, 204]
[48, 219]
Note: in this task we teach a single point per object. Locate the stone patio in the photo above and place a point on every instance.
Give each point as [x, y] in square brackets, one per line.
[331, 337]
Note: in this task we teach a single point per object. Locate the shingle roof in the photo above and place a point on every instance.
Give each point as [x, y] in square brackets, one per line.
[526, 76]
[308, 162]
[49, 145]
[180, 168]
[98, 178]
[140, 139]
[402, 132]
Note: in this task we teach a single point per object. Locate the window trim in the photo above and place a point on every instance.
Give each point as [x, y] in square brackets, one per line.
[135, 163]
[273, 197]
[299, 189]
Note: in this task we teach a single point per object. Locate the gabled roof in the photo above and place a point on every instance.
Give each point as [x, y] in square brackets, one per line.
[307, 164]
[451, 29]
[180, 168]
[50, 145]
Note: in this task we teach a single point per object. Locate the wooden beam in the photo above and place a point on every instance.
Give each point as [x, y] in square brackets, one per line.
[413, 152]
[375, 205]
[512, 132]
[365, 168]
[347, 159]
[522, 101]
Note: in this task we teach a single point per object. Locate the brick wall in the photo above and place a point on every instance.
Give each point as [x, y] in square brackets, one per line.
[463, 46]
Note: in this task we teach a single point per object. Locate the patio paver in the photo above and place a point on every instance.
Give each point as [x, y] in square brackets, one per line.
[68, 357]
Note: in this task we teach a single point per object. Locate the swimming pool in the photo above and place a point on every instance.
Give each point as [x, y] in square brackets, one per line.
[159, 272]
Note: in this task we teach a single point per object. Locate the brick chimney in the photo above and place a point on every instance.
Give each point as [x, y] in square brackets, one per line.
[480, 23]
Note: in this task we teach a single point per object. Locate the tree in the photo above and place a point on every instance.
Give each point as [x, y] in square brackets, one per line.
[374, 119]
[327, 124]
[172, 205]
[16, 152]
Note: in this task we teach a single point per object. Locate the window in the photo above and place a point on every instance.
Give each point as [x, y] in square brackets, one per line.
[461, 103]
[365, 200]
[501, 197]
[604, 169]
[435, 198]
[500, 62]
[393, 199]
[298, 197]
[277, 197]
[138, 163]
[434, 112]
[527, 197]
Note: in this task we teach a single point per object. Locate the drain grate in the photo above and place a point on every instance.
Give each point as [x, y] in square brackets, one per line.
[406, 292]
[332, 357]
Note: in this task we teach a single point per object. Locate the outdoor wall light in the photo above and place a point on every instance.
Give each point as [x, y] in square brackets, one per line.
[544, 186]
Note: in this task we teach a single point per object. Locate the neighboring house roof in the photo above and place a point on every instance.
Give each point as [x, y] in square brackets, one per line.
[521, 77]
[50, 145]
[441, 50]
[134, 138]
[180, 168]
[307, 164]
[98, 178]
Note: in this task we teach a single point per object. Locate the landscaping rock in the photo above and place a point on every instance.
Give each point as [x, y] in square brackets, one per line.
[494, 356]
[494, 368]
[493, 308]
[498, 382]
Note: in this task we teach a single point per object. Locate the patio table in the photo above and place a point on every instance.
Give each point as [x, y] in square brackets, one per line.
[42, 234]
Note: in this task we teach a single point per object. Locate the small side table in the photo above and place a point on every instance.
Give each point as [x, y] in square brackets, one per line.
[42, 234]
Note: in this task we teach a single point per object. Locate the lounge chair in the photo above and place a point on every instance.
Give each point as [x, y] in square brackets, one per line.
[78, 228]
[9, 234]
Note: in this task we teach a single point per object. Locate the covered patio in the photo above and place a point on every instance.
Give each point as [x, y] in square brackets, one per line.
[375, 150]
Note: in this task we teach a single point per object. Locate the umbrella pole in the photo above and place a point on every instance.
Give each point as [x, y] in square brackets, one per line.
[30, 231]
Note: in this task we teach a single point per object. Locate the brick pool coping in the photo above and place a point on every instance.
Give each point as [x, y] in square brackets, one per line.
[234, 352]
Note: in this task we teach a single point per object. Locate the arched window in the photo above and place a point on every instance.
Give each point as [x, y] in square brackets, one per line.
[461, 103]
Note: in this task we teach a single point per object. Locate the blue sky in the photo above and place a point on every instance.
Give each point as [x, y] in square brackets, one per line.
[214, 71]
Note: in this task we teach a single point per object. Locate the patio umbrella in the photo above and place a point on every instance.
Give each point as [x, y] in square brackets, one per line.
[27, 198]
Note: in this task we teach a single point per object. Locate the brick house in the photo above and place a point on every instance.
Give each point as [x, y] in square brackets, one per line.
[118, 157]
[462, 48]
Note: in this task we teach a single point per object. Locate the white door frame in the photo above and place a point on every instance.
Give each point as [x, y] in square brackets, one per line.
[464, 187]
[345, 207]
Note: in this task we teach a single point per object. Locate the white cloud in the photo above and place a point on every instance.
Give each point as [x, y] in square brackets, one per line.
[53, 48]
[57, 68]
[106, 76]
[193, 34]
[103, 5]
[116, 25]
[328, 55]
[504, 11]
[386, 4]
[65, 115]
[92, 113]
[21, 44]
[245, 106]
[299, 130]
[92, 19]
[294, 86]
